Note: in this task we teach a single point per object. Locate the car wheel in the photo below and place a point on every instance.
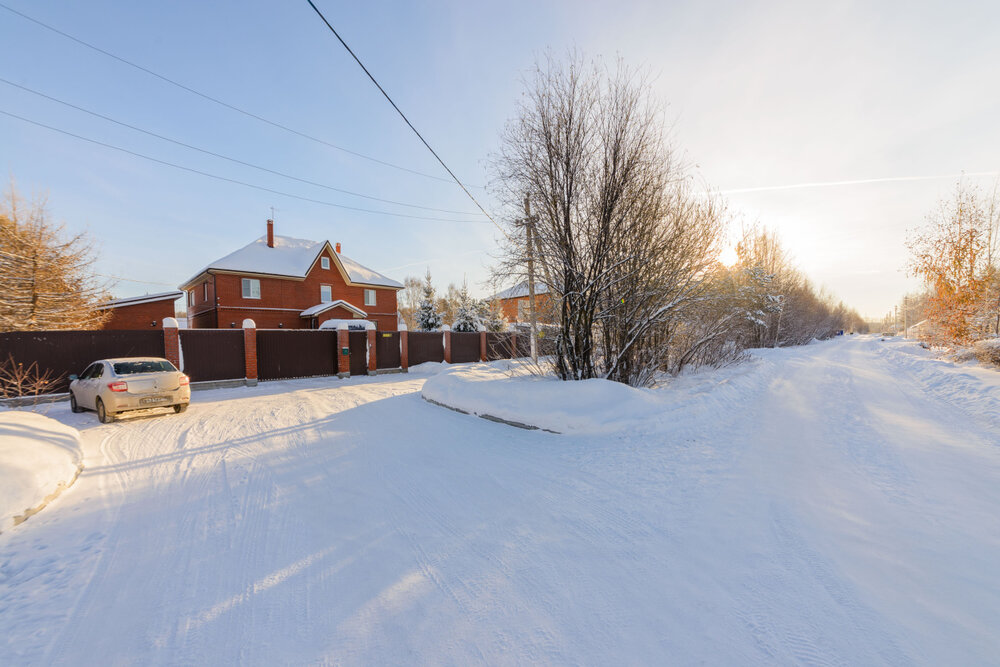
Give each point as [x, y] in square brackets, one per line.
[102, 414]
[180, 407]
[72, 403]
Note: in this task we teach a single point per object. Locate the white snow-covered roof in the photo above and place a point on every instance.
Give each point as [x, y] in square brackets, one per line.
[327, 305]
[350, 325]
[136, 300]
[292, 258]
[520, 290]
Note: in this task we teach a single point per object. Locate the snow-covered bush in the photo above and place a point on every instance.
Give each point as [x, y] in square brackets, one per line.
[988, 351]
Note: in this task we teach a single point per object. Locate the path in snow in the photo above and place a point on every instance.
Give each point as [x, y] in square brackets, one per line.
[833, 504]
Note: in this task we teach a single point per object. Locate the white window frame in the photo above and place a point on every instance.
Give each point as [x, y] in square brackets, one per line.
[191, 297]
[204, 288]
[327, 287]
[324, 263]
[247, 286]
[370, 301]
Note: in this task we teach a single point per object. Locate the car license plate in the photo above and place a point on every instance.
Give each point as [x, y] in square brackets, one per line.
[152, 399]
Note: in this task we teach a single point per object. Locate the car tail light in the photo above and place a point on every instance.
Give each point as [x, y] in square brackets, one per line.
[118, 386]
[185, 380]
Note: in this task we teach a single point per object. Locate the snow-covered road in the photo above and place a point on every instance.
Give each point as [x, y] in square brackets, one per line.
[832, 504]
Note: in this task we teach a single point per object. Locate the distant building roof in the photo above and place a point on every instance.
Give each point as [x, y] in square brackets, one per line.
[291, 258]
[520, 290]
[136, 300]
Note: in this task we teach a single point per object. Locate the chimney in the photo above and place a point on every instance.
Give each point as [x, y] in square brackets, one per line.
[338, 247]
[270, 233]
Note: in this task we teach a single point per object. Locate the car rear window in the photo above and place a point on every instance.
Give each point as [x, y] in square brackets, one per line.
[133, 367]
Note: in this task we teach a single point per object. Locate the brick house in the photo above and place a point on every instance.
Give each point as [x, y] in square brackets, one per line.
[514, 303]
[282, 282]
[140, 312]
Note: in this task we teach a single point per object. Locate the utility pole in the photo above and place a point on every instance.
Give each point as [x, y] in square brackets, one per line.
[529, 228]
[905, 327]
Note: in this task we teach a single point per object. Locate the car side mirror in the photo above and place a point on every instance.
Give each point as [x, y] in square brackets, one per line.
[73, 377]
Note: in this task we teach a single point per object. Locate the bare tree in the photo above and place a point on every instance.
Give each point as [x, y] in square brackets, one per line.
[622, 244]
[47, 275]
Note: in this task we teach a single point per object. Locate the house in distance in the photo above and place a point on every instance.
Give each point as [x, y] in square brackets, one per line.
[286, 283]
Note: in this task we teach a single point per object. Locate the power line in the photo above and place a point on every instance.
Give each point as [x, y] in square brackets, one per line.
[403, 116]
[230, 180]
[216, 100]
[226, 157]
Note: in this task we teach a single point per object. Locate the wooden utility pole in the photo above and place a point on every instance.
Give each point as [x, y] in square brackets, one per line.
[529, 228]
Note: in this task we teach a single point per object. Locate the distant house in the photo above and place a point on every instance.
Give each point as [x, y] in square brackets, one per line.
[283, 282]
[140, 312]
[514, 303]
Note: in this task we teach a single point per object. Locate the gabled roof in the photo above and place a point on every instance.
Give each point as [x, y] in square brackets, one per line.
[136, 300]
[291, 258]
[520, 290]
[327, 305]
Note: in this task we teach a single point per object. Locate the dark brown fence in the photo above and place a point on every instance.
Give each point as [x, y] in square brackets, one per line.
[387, 349]
[213, 354]
[283, 354]
[358, 343]
[425, 346]
[64, 353]
[464, 347]
[497, 346]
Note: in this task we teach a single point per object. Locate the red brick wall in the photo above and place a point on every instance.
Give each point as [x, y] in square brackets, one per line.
[140, 315]
[543, 308]
[281, 301]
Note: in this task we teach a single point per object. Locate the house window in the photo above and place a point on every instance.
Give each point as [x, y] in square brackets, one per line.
[191, 297]
[325, 293]
[251, 288]
[369, 297]
[204, 289]
[325, 262]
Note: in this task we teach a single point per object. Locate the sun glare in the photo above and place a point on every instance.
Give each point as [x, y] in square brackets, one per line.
[728, 256]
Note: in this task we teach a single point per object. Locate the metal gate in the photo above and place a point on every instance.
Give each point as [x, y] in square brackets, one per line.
[498, 346]
[358, 342]
[425, 346]
[289, 353]
[387, 349]
[213, 354]
[464, 347]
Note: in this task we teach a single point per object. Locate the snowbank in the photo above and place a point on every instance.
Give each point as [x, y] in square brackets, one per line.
[505, 391]
[39, 457]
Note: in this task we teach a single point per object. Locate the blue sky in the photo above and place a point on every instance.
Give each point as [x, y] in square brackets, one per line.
[758, 94]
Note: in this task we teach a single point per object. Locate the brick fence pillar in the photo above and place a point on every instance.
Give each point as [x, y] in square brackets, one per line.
[250, 351]
[171, 341]
[371, 352]
[343, 360]
[447, 343]
[513, 345]
[482, 346]
[404, 348]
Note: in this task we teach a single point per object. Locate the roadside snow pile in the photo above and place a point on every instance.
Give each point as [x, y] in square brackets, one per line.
[39, 457]
[500, 390]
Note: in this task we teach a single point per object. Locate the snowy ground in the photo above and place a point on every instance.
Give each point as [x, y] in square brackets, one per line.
[832, 504]
[39, 458]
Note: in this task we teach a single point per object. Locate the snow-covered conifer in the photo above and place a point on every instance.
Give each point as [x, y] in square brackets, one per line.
[427, 316]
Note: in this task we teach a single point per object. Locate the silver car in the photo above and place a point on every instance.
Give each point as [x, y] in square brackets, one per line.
[111, 386]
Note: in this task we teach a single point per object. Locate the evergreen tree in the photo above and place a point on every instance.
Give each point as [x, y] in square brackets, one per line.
[467, 317]
[427, 316]
[491, 315]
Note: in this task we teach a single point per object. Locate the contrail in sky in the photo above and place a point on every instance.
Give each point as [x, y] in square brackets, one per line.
[827, 184]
